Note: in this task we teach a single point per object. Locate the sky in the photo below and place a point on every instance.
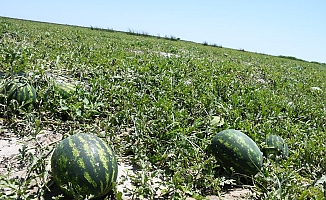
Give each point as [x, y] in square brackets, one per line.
[290, 28]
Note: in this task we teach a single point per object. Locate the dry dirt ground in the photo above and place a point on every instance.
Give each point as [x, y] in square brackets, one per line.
[11, 144]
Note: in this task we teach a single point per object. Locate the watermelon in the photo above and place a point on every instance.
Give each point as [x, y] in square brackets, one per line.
[66, 89]
[276, 146]
[83, 165]
[19, 90]
[233, 149]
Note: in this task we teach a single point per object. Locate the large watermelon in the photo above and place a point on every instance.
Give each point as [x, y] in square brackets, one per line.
[21, 91]
[234, 149]
[84, 165]
[276, 146]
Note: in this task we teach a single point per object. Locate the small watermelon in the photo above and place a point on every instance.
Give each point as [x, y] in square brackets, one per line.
[234, 149]
[21, 91]
[276, 146]
[66, 89]
[83, 165]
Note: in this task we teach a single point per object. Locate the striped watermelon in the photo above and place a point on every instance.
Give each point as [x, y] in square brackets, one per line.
[84, 165]
[234, 149]
[21, 91]
[66, 89]
[276, 146]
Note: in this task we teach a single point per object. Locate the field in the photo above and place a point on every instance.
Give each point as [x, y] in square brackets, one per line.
[152, 99]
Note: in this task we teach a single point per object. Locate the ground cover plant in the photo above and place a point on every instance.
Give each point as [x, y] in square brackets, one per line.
[153, 99]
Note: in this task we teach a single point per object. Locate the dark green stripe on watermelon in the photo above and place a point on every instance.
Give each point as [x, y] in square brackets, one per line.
[87, 163]
[234, 149]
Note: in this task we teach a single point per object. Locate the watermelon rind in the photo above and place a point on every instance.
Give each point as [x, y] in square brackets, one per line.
[276, 146]
[234, 149]
[83, 165]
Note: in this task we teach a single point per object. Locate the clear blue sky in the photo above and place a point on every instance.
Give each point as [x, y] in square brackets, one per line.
[277, 27]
